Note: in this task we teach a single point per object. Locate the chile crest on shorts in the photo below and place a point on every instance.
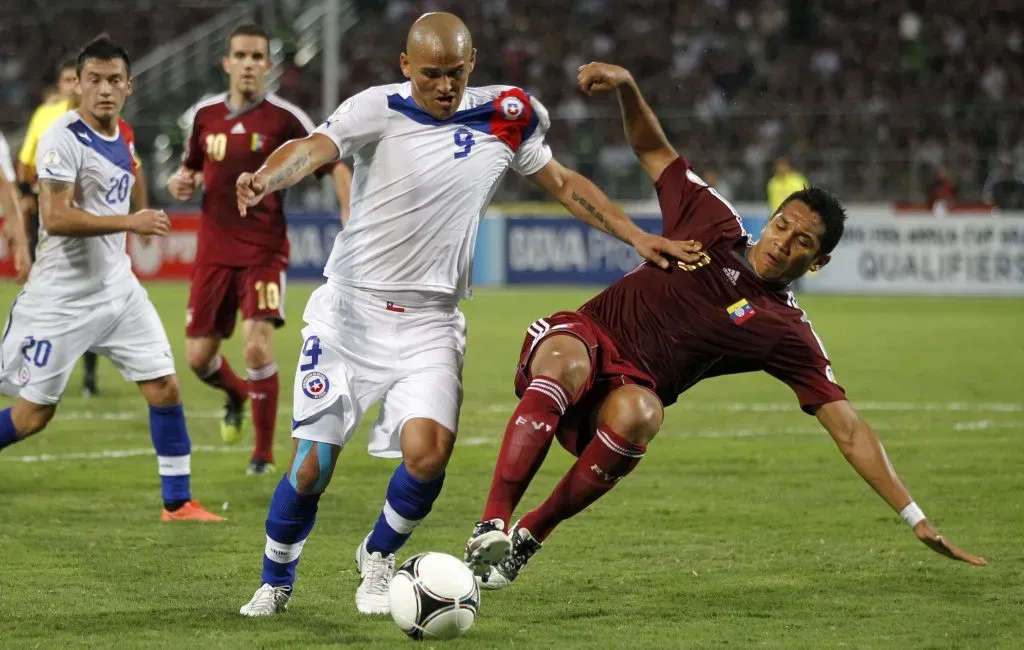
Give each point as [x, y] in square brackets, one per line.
[315, 385]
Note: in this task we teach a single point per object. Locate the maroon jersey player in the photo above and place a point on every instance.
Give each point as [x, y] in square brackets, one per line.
[241, 261]
[597, 378]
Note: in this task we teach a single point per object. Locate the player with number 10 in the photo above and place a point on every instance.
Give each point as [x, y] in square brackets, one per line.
[240, 263]
[386, 326]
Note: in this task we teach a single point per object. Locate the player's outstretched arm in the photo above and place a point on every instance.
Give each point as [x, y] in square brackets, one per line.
[289, 164]
[589, 204]
[861, 448]
[14, 229]
[62, 219]
[342, 177]
[643, 131]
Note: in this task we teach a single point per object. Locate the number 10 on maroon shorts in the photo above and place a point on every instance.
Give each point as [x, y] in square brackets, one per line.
[219, 292]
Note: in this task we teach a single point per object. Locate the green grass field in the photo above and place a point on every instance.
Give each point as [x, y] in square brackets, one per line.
[743, 527]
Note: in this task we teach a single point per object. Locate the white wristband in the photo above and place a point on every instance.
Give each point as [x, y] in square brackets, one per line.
[912, 514]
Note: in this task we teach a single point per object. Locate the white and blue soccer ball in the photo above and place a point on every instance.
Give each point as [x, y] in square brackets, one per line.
[434, 596]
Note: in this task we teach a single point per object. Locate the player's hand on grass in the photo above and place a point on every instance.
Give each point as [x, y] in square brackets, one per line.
[182, 184]
[935, 541]
[150, 222]
[601, 77]
[250, 190]
[22, 261]
[666, 252]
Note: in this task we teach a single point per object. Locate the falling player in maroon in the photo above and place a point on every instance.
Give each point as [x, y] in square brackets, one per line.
[598, 378]
[241, 262]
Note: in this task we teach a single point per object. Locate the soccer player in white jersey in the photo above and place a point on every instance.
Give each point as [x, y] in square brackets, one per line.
[81, 294]
[386, 326]
[14, 224]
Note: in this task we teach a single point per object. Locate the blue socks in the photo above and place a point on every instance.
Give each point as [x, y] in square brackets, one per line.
[173, 452]
[408, 501]
[289, 523]
[7, 435]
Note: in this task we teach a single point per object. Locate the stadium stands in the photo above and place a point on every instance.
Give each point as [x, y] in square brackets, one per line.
[867, 96]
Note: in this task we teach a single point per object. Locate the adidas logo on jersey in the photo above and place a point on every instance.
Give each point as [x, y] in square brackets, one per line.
[733, 275]
[238, 129]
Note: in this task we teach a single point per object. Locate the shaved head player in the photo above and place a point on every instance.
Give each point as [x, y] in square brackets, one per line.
[386, 327]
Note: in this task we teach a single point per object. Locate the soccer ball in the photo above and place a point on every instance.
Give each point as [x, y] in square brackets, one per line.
[434, 596]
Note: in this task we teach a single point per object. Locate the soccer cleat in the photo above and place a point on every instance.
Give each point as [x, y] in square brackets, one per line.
[259, 467]
[376, 570]
[524, 546]
[231, 425]
[191, 511]
[486, 546]
[267, 601]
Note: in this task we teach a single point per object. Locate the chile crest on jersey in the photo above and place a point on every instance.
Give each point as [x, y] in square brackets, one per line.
[513, 120]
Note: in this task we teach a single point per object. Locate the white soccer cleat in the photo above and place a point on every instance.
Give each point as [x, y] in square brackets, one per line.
[376, 571]
[486, 546]
[267, 601]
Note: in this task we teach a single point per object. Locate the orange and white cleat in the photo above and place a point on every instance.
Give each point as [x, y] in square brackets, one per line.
[191, 511]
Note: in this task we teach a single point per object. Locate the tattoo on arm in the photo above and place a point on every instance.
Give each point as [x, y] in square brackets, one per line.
[297, 165]
[600, 220]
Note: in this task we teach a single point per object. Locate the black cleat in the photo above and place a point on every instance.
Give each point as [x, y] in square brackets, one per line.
[259, 467]
[524, 546]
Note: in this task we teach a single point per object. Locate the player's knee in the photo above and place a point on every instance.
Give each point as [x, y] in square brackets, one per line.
[29, 418]
[426, 448]
[257, 353]
[634, 413]
[564, 359]
[165, 391]
[200, 359]
[312, 466]
[306, 478]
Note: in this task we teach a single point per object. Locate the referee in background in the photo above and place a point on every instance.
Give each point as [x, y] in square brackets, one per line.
[42, 119]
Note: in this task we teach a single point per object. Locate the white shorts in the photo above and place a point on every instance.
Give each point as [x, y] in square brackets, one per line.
[42, 343]
[359, 349]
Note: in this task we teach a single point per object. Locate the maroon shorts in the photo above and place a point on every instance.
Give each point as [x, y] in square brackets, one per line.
[608, 371]
[218, 292]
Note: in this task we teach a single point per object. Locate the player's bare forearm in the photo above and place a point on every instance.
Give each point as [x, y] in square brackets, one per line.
[640, 124]
[862, 449]
[140, 193]
[294, 161]
[14, 222]
[589, 204]
[586, 201]
[62, 219]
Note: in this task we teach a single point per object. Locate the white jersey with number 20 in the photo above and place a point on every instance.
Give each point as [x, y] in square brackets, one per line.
[84, 270]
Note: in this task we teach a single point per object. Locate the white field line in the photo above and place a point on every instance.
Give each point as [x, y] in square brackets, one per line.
[482, 441]
[723, 407]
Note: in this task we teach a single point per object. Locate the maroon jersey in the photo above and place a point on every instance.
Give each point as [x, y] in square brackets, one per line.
[224, 144]
[682, 326]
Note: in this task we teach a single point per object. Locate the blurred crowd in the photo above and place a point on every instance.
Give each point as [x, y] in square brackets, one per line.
[880, 99]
